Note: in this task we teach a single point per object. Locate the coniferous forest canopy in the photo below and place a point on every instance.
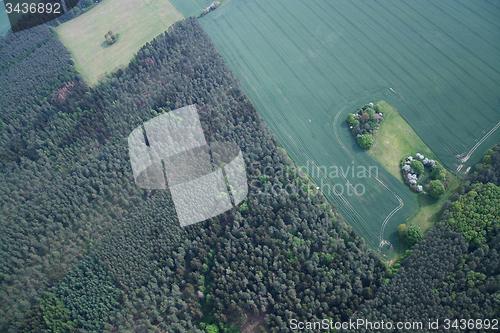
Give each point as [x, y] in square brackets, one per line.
[84, 249]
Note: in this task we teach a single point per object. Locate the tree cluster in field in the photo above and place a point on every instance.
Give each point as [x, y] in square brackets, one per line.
[111, 37]
[413, 168]
[213, 6]
[364, 122]
[74, 222]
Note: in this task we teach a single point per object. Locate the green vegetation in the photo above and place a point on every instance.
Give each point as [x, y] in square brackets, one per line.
[111, 37]
[414, 235]
[409, 235]
[55, 315]
[365, 141]
[90, 294]
[476, 213]
[136, 22]
[436, 188]
[417, 166]
[363, 124]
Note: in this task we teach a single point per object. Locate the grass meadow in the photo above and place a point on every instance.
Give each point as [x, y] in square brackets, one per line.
[396, 139]
[305, 65]
[135, 21]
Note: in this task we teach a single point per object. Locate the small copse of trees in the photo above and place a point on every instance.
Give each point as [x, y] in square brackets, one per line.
[414, 174]
[111, 37]
[364, 122]
[213, 6]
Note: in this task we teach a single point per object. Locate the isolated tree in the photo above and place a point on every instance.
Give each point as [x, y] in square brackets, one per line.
[204, 11]
[402, 231]
[414, 235]
[365, 117]
[216, 4]
[436, 188]
[417, 166]
[350, 118]
[366, 141]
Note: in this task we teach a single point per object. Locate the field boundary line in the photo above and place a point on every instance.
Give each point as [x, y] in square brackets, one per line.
[480, 142]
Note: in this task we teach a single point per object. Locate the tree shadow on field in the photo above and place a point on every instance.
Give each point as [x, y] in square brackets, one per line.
[344, 127]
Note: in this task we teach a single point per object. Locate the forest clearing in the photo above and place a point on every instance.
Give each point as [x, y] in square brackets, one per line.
[135, 21]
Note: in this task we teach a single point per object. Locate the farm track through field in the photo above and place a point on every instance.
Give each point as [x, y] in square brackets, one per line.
[432, 69]
[491, 68]
[416, 112]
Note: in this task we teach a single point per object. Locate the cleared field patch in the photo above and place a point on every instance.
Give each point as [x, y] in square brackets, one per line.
[396, 139]
[135, 21]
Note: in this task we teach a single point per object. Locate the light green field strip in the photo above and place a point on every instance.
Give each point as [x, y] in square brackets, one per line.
[135, 21]
[4, 20]
[306, 65]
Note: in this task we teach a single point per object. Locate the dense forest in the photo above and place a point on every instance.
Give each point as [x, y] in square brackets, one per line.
[84, 249]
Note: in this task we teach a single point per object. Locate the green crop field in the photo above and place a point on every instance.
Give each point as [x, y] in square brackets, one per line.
[135, 21]
[306, 64]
